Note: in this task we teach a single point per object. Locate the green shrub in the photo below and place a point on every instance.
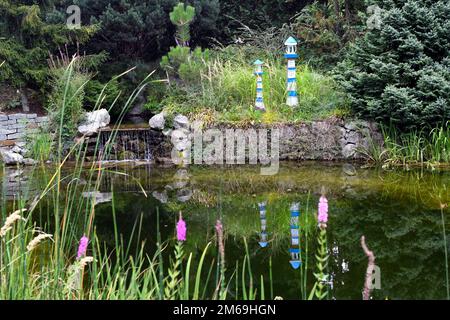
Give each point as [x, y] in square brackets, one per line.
[108, 92]
[400, 73]
[185, 65]
[325, 29]
[40, 145]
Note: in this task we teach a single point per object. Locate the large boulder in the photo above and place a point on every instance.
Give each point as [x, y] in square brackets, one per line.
[157, 121]
[9, 157]
[94, 121]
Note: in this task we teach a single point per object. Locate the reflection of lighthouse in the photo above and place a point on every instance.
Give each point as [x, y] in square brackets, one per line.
[262, 217]
[291, 55]
[259, 103]
[294, 250]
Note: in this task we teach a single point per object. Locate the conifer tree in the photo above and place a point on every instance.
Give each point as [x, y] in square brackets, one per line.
[26, 39]
[399, 73]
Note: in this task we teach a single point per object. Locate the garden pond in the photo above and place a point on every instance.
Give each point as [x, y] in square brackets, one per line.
[402, 213]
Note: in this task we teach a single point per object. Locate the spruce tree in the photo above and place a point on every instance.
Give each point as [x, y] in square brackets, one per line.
[399, 73]
[26, 38]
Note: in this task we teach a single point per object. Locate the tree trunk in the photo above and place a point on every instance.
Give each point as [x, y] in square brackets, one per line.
[24, 101]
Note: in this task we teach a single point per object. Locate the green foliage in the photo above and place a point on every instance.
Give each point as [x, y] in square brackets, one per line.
[180, 62]
[225, 92]
[172, 286]
[25, 40]
[139, 30]
[108, 92]
[65, 104]
[417, 147]
[325, 29]
[322, 264]
[256, 15]
[400, 74]
[182, 16]
[156, 93]
[40, 145]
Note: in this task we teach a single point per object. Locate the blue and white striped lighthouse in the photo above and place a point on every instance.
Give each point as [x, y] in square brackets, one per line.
[291, 55]
[259, 103]
[262, 217]
[294, 250]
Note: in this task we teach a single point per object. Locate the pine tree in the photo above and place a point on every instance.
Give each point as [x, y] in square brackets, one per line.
[399, 73]
[26, 39]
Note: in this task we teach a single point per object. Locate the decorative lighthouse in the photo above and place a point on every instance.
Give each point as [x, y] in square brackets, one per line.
[262, 217]
[294, 250]
[259, 103]
[291, 55]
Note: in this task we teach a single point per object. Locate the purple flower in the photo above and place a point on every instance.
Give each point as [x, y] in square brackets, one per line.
[82, 246]
[323, 210]
[219, 226]
[181, 229]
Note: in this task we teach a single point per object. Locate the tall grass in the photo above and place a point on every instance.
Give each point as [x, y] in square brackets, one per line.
[227, 92]
[419, 147]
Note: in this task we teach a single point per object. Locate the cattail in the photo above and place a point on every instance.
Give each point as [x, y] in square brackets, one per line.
[10, 220]
[35, 242]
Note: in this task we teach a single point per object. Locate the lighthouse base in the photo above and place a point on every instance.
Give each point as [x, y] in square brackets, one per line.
[292, 101]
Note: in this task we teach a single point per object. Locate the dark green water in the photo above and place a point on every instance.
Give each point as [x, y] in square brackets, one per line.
[398, 211]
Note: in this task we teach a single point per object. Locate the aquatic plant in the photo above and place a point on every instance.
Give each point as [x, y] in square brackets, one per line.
[320, 287]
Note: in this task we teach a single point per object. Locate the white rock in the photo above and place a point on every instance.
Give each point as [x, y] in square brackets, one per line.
[349, 151]
[94, 121]
[161, 196]
[19, 150]
[184, 195]
[181, 122]
[157, 121]
[10, 158]
[181, 140]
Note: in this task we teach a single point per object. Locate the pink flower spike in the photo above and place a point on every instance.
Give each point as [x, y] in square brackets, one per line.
[181, 229]
[323, 210]
[82, 246]
[219, 226]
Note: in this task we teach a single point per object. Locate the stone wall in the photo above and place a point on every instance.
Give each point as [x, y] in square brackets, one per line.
[327, 140]
[13, 127]
[330, 140]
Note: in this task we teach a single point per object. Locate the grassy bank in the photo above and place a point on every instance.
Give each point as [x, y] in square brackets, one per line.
[426, 147]
[225, 87]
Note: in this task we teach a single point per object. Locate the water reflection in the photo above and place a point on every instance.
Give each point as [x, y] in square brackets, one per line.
[399, 211]
[263, 219]
[294, 250]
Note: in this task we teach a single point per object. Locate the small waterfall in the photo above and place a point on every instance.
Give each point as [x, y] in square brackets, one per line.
[126, 144]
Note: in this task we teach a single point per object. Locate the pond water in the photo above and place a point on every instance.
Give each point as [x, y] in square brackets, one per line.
[398, 211]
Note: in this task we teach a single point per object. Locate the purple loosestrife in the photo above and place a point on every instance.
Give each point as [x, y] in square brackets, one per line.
[181, 229]
[82, 247]
[323, 212]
